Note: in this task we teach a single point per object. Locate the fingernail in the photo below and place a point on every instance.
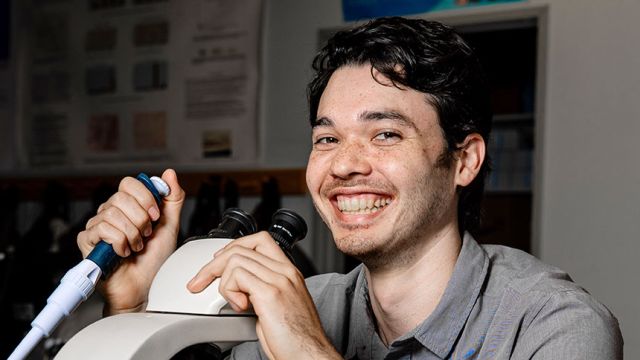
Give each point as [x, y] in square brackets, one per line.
[147, 231]
[127, 252]
[154, 213]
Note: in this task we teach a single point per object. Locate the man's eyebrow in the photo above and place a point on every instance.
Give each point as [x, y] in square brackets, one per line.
[370, 116]
[386, 115]
[322, 121]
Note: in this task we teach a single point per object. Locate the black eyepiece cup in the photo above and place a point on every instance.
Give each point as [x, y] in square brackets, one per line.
[287, 228]
[235, 223]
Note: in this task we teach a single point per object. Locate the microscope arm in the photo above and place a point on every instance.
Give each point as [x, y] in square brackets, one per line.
[142, 336]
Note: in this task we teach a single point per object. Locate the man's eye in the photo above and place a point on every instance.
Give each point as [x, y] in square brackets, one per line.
[326, 140]
[387, 135]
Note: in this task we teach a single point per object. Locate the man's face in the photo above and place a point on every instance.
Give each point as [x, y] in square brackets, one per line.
[376, 172]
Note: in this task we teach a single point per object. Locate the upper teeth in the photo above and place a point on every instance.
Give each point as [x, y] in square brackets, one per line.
[361, 203]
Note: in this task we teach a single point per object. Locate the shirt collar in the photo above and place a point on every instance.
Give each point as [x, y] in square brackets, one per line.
[440, 330]
[364, 341]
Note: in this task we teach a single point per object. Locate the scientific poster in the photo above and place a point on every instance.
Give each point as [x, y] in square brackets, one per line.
[164, 82]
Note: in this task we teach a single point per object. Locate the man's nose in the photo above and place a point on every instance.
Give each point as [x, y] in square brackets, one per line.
[351, 160]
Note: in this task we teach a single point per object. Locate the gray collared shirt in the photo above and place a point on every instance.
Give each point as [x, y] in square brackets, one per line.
[500, 303]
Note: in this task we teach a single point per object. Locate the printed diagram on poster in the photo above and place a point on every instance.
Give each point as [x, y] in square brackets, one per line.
[166, 82]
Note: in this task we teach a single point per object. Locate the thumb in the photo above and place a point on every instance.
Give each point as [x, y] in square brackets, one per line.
[172, 203]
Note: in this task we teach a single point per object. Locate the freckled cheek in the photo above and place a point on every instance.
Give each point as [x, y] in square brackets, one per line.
[317, 168]
[394, 171]
[402, 167]
[389, 163]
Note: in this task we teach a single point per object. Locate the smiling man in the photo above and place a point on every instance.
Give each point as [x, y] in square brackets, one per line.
[400, 120]
[401, 117]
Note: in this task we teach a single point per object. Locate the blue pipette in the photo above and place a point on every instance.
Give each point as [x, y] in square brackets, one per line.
[79, 283]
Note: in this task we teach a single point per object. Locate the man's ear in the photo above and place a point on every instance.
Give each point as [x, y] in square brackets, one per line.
[470, 157]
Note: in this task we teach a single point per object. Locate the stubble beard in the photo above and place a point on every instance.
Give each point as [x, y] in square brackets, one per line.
[428, 206]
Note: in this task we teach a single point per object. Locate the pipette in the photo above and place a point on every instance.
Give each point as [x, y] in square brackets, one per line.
[79, 283]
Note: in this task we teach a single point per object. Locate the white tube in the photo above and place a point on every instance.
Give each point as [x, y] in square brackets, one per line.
[75, 287]
[27, 344]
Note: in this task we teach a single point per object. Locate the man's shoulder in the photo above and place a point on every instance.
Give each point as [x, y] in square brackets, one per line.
[536, 287]
[556, 313]
[523, 273]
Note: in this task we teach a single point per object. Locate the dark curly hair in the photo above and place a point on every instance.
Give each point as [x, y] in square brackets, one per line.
[429, 57]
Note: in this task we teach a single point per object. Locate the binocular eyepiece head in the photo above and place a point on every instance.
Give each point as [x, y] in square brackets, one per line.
[286, 228]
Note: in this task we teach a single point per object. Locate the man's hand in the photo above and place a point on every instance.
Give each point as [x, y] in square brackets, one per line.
[125, 222]
[254, 271]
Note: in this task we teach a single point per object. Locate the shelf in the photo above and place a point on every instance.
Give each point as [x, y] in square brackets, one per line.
[290, 182]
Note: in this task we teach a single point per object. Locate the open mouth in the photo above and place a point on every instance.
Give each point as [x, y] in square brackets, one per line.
[362, 204]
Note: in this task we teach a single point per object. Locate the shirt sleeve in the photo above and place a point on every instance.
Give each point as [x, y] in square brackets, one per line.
[571, 325]
[249, 350]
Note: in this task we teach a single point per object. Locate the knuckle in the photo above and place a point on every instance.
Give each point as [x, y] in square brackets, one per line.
[111, 212]
[271, 293]
[239, 275]
[283, 282]
[126, 183]
[90, 223]
[120, 197]
[292, 273]
[102, 227]
[235, 260]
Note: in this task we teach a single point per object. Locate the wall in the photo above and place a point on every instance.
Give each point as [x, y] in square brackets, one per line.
[590, 218]
[587, 217]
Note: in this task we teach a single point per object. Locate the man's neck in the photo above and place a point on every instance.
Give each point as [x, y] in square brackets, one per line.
[403, 296]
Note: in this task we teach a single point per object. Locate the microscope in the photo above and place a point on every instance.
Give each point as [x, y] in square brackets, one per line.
[174, 318]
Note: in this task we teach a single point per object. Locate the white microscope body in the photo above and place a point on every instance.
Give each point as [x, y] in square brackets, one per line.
[174, 319]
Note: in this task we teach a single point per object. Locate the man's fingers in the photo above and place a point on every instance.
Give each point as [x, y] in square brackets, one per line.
[176, 193]
[241, 284]
[88, 239]
[142, 195]
[172, 203]
[263, 270]
[234, 257]
[261, 242]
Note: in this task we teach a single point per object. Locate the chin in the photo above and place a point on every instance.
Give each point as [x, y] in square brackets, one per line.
[358, 246]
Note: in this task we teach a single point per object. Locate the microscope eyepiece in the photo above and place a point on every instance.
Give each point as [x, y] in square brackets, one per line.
[235, 223]
[287, 228]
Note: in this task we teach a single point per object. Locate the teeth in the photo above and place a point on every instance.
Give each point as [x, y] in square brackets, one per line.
[355, 204]
[361, 204]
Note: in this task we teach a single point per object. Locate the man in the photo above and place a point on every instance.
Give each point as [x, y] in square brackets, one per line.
[400, 120]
